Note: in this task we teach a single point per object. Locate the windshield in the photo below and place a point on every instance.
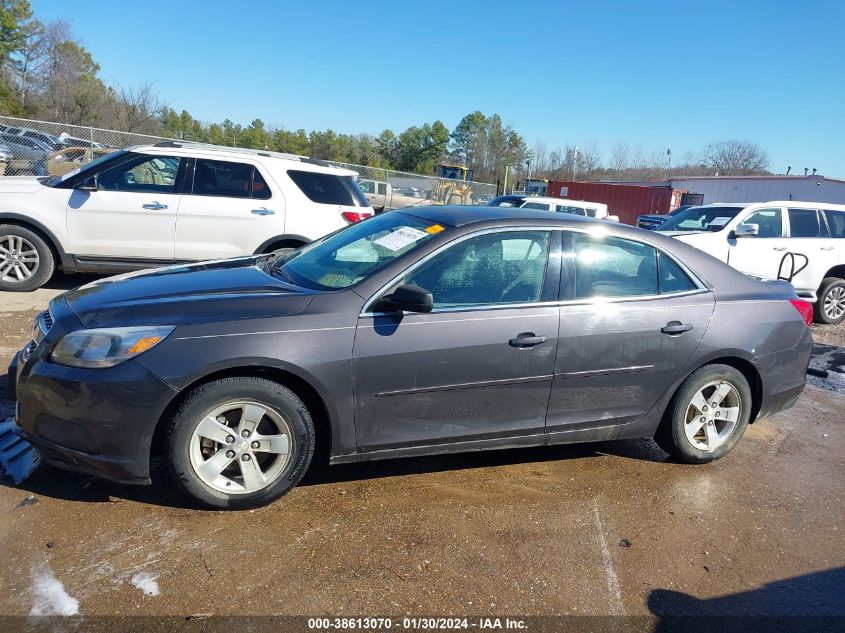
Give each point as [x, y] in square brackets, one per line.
[700, 219]
[60, 179]
[353, 254]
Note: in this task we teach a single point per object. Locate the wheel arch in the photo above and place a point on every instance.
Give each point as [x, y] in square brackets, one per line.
[281, 241]
[302, 387]
[63, 260]
[733, 358]
[835, 271]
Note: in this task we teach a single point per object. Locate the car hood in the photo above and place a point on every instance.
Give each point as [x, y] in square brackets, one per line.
[19, 184]
[178, 295]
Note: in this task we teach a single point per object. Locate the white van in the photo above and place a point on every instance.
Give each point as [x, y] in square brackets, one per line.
[755, 238]
[562, 205]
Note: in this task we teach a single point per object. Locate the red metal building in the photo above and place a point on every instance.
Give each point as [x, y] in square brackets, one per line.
[626, 201]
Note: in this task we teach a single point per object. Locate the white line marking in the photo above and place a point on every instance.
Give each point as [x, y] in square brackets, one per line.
[48, 594]
[613, 588]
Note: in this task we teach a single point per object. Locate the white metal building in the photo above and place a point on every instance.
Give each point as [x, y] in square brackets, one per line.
[763, 188]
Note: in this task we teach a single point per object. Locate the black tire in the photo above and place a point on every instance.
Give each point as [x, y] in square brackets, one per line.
[219, 393]
[44, 267]
[671, 435]
[830, 296]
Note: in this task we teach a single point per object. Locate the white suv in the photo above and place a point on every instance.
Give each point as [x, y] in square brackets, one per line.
[755, 238]
[171, 202]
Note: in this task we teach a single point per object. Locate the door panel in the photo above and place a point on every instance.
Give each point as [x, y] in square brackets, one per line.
[132, 214]
[442, 377]
[613, 361]
[760, 255]
[230, 212]
[808, 236]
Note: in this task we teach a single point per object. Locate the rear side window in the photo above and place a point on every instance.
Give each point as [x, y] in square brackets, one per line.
[228, 179]
[803, 223]
[672, 277]
[328, 188]
[836, 223]
[613, 267]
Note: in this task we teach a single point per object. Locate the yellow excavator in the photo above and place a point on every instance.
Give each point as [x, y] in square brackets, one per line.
[452, 184]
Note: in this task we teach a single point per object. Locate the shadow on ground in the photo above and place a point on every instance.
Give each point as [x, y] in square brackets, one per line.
[49, 481]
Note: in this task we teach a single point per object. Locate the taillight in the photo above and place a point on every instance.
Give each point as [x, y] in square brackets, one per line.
[355, 216]
[805, 309]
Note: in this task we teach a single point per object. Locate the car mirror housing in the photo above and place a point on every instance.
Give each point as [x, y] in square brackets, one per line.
[406, 298]
[89, 184]
[747, 230]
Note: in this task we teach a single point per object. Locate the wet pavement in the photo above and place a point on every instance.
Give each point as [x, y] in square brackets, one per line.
[600, 529]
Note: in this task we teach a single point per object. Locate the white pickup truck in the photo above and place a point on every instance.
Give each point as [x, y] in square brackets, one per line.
[383, 197]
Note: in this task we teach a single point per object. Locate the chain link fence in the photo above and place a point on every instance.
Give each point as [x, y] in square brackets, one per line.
[43, 148]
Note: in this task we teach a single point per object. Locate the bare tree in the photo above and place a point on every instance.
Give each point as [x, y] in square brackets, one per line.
[137, 109]
[735, 158]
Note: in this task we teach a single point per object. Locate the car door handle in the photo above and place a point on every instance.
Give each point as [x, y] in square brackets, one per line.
[156, 206]
[263, 212]
[827, 248]
[526, 339]
[673, 328]
[779, 248]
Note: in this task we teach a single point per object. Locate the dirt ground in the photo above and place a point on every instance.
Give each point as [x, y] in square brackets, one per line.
[596, 529]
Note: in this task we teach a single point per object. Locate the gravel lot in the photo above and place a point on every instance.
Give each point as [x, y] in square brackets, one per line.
[598, 529]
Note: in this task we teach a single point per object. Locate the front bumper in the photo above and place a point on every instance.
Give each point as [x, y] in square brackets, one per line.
[97, 421]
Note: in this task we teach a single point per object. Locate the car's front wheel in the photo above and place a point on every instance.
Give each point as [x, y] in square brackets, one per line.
[239, 442]
[26, 261]
[707, 416]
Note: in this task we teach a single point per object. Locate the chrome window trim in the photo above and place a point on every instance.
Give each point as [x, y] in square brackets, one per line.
[701, 288]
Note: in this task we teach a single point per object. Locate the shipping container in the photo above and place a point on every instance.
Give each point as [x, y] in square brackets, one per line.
[625, 201]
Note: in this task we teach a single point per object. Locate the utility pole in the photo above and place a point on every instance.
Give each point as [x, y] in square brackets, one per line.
[574, 161]
[669, 162]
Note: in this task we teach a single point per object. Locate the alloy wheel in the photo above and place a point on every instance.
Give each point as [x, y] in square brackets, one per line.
[241, 447]
[18, 258]
[712, 415]
[834, 303]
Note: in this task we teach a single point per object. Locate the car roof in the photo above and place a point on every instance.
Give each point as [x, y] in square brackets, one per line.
[222, 152]
[458, 215]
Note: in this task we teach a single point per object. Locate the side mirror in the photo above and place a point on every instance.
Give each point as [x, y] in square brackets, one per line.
[407, 298]
[747, 230]
[89, 184]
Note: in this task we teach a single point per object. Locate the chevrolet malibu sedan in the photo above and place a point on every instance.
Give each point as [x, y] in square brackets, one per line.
[420, 331]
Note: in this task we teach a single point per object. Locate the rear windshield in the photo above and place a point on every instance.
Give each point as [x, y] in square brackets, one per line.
[700, 219]
[506, 201]
[328, 188]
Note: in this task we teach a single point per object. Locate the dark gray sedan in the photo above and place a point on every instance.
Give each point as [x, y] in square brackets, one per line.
[420, 331]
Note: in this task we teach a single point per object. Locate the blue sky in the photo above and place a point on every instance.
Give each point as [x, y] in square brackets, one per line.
[649, 73]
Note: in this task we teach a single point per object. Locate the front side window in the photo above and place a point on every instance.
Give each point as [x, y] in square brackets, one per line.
[355, 253]
[836, 222]
[367, 186]
[328, 188]
[769, 222]
[496, 268]
[613, 267]
[141, 173]
[803, 223]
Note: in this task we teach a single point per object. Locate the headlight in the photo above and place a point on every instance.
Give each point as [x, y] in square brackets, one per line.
[107, 347]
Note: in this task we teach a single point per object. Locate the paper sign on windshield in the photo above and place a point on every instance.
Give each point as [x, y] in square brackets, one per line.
[719, 221]
[400, 238]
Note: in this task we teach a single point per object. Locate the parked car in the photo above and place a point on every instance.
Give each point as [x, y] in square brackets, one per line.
[754, 238]
[48, 140]
[420, 331]
[651, 222]
[559, 205]
[172, 202]
[29, 156]
[5, 158]
[70, 158]
[72, 141]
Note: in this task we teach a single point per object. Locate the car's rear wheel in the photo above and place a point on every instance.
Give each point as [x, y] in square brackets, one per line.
[830, 306]
[26, 261]
[239, 442]
[707, 416]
